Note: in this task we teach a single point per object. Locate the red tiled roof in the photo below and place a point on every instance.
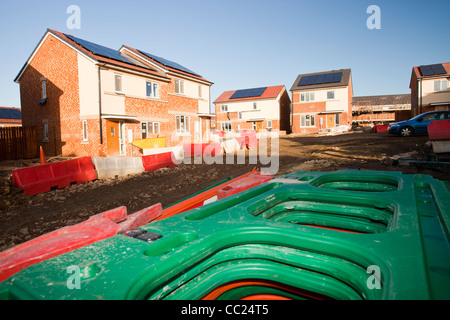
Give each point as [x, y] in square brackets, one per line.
[446, 66]
[269, 93]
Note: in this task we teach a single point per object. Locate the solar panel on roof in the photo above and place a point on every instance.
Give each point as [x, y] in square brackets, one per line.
[100, 50]
[432, 69]
[321, 79]
[10, 114]
[248, 93]
[169, 63]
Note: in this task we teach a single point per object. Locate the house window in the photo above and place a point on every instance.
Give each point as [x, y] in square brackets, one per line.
[308, 96]
[224, 108]
[85, 133]
[226, 126]
[44, 89]
[182, 124]
[269, 124]
[308, 120]
[179, 86]
[240, 115]
[440, 85]
[46, 132]
[152, 90]
[200, 93]
[149, 128]
[255, 105]
[254, 126]
[118, 83]
[337, 119]
[330, 95]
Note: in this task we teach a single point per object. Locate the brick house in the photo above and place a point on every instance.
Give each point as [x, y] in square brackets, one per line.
[321, 100]
[429, 88]
[265, 108]
[370, 110]
[90, 100]
[10, 117]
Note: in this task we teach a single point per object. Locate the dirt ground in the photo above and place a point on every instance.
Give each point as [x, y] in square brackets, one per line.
[25, 217]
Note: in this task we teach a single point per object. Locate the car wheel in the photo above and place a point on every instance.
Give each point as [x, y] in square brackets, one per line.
[406, 131]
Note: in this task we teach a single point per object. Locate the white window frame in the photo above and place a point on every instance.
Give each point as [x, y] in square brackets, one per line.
[153, 125]
[46, 133]
[269, 124]
[154, 88]
[334, 95]
[255, 106]
[307, 96]
[179, 128]
[240, 115]
[254, 127]
[85, 130]
[337, 120]
[44, 89]
[224, 108]
[304, 119]
[440, 85]
[226, 126]
[179, 86]
[116, 76]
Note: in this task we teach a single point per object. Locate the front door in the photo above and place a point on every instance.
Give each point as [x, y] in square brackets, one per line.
[112, 138]
[330, 120]
[258, 126]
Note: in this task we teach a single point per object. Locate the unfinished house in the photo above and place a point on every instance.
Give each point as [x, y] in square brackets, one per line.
[429, 88]
[260, 109]
[321, 101]
[90, 100]
[381, 109]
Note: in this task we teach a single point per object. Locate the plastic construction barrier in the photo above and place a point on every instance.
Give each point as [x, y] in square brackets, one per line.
[351, 235]
[243, 184]
[110, 167]
[380, 128]
[160, 160]
[42, 178]
[439, 130]
[98, 227]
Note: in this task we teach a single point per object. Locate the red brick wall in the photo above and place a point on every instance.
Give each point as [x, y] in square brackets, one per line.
[59, 65]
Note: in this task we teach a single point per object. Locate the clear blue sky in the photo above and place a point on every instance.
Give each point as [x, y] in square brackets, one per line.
[245, 43]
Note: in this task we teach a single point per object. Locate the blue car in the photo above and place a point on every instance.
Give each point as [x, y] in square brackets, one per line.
[418, 124]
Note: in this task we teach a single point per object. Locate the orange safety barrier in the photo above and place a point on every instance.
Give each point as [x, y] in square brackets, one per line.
[157, 161]
[98, 227]
[243, 184]
[217, 292]
[42, 178]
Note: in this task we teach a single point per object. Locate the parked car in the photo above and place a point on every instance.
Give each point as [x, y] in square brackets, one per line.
[418, 124]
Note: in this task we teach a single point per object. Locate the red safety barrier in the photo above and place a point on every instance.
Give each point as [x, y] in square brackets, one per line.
[243, 184]
[201, 149]
[380, 128]
[439, 130]
[250, 139]
[43, 178]
[157, 161]
[98, 227]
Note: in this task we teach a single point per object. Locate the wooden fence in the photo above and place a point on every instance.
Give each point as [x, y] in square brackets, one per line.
[18, 143]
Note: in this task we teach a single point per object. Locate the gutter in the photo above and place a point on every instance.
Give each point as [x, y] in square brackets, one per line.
[100, 103]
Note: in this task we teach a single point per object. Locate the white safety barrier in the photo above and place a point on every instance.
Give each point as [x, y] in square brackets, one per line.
[106, 168]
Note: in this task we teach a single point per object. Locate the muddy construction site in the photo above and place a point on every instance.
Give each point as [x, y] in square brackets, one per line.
[24, 217]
